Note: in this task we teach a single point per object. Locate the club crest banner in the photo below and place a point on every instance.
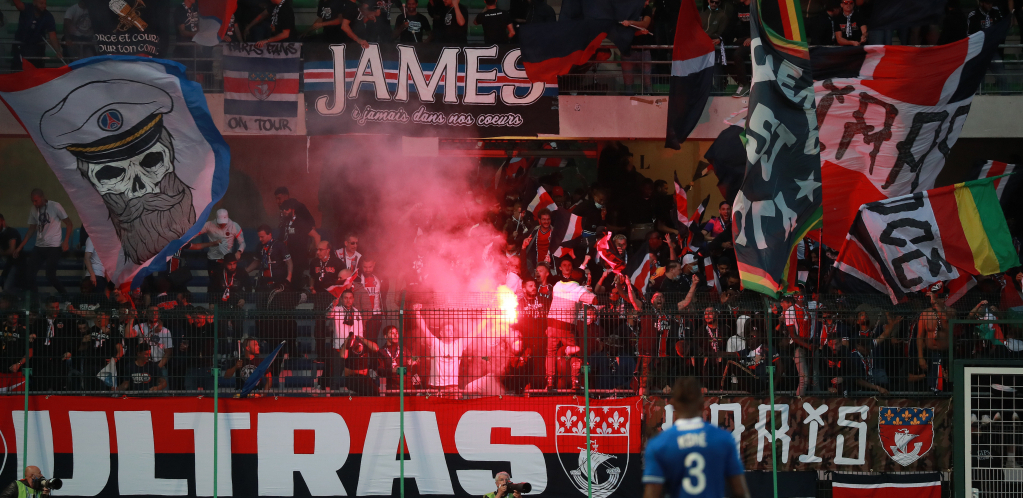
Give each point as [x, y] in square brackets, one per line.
[443, 91]
[132, 142]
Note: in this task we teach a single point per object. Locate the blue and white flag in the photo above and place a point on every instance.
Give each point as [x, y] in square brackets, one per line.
[132, 142]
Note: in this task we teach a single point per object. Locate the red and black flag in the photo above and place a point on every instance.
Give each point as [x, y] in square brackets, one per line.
[692, 70]
[551, 49]
[888, 116]
[914, 485]
[780, 199]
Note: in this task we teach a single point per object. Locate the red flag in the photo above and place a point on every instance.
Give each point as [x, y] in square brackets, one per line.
[542, 201]
[641, 275]
[681, 205]
[958, 287]
[604, 250]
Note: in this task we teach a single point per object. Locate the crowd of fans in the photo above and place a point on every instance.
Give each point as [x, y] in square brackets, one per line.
[828, 22]
[691, 317]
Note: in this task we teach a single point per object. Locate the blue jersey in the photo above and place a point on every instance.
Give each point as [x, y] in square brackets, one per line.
[692, 458]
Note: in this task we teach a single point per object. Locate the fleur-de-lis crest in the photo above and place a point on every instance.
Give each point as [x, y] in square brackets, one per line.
[616, 419]
[566, 421]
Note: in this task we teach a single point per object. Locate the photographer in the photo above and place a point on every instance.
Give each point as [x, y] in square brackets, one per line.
[502, 481]
[32, 484]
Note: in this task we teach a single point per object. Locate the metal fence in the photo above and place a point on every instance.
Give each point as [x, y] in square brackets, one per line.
[468, 345]
[608, 73]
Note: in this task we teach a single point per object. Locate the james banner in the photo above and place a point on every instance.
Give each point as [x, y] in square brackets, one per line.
[443, 91]
[132, 142]
[838, 434]
[324, 447]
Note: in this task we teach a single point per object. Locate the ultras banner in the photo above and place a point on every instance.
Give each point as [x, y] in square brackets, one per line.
[337, 446]
[443, 91]
[838, 434]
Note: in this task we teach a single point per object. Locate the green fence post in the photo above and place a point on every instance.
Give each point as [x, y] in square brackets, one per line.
[770, 380]
[401, 396]
[586, 396]
[27, 371]
[216, 393]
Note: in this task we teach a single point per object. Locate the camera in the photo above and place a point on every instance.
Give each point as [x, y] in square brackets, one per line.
[53, 483]
[521, 487]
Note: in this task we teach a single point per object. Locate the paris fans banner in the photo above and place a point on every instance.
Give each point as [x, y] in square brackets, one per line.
[339, 446]
[889, 115]
[132, 142]
[875, 434]
[130, 27]
[780, 200]
[443, 91]
[261, 87]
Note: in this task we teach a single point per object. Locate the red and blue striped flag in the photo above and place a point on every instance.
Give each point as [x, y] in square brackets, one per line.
[261, 88]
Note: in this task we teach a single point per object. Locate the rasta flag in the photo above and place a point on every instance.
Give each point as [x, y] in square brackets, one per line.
[780, 199]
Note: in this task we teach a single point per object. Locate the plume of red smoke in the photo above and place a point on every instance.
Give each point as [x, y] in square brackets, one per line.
[423, 219]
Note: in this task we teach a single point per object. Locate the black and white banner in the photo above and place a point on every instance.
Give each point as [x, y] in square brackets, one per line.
[353, 90]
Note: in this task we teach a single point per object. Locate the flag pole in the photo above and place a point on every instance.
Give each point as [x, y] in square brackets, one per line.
[216, 395]
[401, 396]
[27, 371]
[586, 396]
[770, 381]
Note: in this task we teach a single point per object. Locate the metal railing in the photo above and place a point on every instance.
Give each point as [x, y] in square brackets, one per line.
[607, 74]
[467, 346]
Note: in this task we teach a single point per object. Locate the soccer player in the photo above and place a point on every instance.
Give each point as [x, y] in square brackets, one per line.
[692, 458]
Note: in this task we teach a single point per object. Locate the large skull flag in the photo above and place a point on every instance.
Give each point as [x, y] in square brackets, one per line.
[133, 143]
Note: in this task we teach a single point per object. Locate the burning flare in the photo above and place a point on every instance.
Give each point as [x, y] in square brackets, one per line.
[508, 303]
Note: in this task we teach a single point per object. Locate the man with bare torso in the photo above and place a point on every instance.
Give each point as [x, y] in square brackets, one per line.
[933, 331]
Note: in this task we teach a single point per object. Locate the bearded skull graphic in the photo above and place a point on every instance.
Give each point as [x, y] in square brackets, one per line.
[126, 154]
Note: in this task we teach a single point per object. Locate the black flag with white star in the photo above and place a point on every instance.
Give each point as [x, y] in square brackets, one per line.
[780, 198]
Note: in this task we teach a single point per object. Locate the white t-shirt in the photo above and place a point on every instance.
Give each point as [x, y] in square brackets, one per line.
[48, 224]
[446, 356]
[77, 21]
[225, 238]
[97, 265]
[341, 329]
[566, 297]
[159, 340]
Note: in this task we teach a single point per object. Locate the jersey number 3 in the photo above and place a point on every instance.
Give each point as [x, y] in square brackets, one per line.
[696, 481]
